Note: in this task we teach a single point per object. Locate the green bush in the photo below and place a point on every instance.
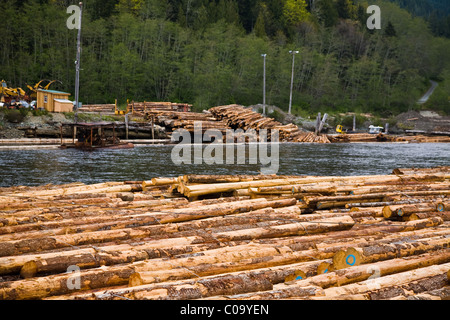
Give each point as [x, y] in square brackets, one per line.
[278, 116]
[39, 112]
[15, 116]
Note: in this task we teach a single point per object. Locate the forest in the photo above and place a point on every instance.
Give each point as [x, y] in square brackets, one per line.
[208, 52]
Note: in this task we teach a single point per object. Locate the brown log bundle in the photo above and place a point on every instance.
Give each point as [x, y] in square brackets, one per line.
[301, 237]
[237, 116]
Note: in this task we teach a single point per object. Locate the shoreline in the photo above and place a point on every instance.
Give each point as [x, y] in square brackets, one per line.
[52, 143]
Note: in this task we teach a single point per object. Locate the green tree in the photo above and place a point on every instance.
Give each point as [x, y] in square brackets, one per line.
[260, 26]
[390, 30]
[345, 9]
[328, 14]
[295, 12]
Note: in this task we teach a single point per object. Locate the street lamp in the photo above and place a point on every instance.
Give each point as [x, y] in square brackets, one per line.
[292, 78]
[264, 84]
[77, 66]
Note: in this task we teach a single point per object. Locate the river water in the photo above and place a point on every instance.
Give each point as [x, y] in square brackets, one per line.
[44, 166]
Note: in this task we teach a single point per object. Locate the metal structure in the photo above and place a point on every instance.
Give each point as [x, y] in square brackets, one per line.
[292, 78]
[93, 136]
[264, 84]
[77, 66]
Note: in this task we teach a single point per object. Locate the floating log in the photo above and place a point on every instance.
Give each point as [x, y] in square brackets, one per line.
[382, 282]
[273, 229]
[438, 263]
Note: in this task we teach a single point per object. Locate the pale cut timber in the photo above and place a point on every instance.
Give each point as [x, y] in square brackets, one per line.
[352, 275]
[203, 189]
[382, 282]
[386, 251]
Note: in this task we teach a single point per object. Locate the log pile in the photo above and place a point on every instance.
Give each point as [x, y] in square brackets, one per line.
[173, 120]
[421, 139]
[230, 237]
[367, 137]
[239, 117]
[359, 137]
[146, 106]
[97, 108]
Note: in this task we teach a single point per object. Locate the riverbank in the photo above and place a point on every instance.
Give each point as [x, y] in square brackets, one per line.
[47, 125]
[230, 237]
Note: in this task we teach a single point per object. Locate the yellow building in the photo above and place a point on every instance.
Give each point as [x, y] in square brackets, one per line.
[63, 105]
[46, 99]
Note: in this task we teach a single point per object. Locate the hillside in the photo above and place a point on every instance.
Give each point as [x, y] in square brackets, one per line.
[208, 53]
[436, 12]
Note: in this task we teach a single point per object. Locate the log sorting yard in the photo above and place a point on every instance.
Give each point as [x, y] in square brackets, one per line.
[155, 122]
[222, 237]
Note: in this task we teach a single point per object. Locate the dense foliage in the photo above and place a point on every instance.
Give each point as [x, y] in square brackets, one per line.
[436, 12]
[209, 52]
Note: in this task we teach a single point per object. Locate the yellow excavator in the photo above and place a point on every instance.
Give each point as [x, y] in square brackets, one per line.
[340, 129]
[37, 86]
[8, 94]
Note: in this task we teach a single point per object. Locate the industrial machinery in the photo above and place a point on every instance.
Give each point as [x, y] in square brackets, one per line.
[38, 86]
[12, 96]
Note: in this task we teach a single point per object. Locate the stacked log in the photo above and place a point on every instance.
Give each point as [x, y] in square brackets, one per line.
[301, 237]
[359, 137]
[239, 117]
[367, 137]
[173, 120]
[146, 106]
[97, 108]
[421, 139]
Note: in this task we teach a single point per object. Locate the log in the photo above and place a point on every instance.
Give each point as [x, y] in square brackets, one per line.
[397, 211]
[237, 259]
[113, 255]
[302, 228]
[397, 279]
[203, 189]
[373, 253]
[437, 261]
[424, 215]
[415, 288]
[438, 294]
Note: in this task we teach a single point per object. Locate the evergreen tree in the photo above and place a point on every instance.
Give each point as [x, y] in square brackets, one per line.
[345, 9]
[390, 30]
[328, 12]
[260, 26]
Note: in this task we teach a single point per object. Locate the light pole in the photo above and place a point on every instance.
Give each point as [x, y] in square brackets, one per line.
[264, 84]
[292, 78]
[77, 66]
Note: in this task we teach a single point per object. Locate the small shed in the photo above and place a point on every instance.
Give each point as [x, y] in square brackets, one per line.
[63, 105]
[46, 98]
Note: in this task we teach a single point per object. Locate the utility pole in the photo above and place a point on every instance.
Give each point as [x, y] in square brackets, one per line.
[77, 66]
[264, 84]
[292, 78]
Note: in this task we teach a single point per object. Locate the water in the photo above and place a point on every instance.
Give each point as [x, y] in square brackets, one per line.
[44, 166]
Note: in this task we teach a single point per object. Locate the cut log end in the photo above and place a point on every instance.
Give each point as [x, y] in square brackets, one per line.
[387, 212]
[29, 269]
[135, 280]
[344, 259]
[325, 267]
[297, 275]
